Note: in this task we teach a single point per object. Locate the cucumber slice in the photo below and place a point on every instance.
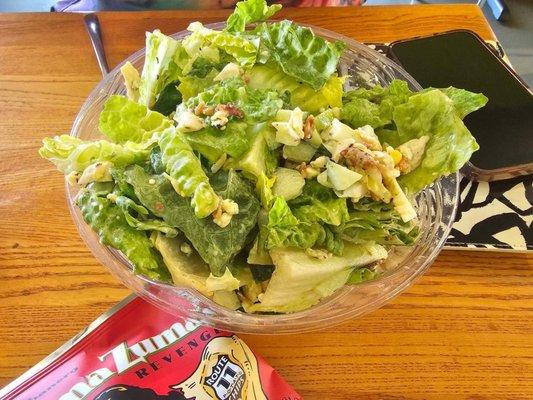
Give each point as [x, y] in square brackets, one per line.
[303, 152]
[289, 183]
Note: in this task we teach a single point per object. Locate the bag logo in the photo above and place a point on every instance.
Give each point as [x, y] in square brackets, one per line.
[226, 379]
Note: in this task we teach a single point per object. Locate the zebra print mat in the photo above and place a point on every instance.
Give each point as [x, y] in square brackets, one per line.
[494, 215]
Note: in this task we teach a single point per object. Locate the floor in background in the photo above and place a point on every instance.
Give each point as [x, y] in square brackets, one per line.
[515, 34]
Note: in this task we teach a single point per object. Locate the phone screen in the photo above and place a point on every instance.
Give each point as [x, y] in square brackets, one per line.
[504, 127]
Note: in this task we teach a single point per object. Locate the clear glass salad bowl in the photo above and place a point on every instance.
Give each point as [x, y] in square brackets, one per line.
[436, 209]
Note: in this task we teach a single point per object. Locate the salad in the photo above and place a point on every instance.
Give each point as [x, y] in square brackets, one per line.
[238, 165]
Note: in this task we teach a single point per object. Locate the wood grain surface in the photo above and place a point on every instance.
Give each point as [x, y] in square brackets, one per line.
[463, 331]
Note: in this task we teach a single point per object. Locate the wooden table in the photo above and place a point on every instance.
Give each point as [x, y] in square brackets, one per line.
[464, 331]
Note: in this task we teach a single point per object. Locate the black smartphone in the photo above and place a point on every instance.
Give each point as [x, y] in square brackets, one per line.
[504, 127]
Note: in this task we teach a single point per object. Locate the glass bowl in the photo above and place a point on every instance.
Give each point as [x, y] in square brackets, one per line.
[436, 209]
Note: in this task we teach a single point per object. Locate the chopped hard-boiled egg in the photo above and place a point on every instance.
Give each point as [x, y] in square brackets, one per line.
[412, 153]
[291, 131]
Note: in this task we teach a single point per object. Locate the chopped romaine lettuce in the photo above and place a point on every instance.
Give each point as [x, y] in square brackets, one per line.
[132, 80]
[109, 222]
[241, 49]
[168, 99]
[380, 223]
[255, 104]
[186, 172]
[301, 94]
[259, 159]
[250, 11]
[320, 204]
[191, 86]
[159, 68]
[299, 53]
[465, 102]
[450, 142]
[142, 221]
[211, 142]
[70, 154]
[299, 281]
[217, 246]
[124, 120]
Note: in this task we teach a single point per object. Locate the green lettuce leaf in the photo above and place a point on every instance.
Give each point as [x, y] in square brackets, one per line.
[258, 254]
[241, 49]
[191, 86]
[71, 154]
[142, 220]
[263, 188]
[217, 246]
[380, 223]
[361, 112]
[319, 204]
[302, 95]
[312, 220]
[250, 11]
[156, 161]
[186, 172]
[465, 102]
[284, 229]
[396, 93]
[362, 274]
[168, 99]
[300, 281]
[212, 142]
[122, 187]
[450, 145]
[124, 120]
[259, 159]
[159, 67]
[109, 222]
[256, 104]
[299, 53]
[374, 106]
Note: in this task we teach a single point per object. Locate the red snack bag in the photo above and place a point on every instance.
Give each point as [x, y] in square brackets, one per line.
[138, 352]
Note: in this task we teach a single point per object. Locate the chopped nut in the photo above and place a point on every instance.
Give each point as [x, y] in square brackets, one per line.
[309, 126]
[208, 111]
[358, 156]
[219, 118]
[199, 109]
[403, 165]
[231, 110]
[159, 207]
[302, 169]
[225, 211]
[229, 206]
[223, 220]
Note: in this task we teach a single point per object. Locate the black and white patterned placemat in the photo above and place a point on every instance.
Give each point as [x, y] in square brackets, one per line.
[491, 215]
